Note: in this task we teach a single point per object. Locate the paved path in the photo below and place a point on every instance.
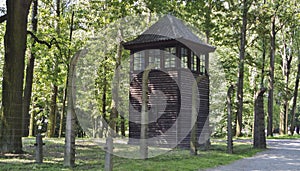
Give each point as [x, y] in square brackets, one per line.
[281, 155]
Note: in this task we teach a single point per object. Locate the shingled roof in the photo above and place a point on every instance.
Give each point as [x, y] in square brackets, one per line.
[171, 28]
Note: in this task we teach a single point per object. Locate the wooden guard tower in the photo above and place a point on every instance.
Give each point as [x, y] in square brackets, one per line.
[178, 58]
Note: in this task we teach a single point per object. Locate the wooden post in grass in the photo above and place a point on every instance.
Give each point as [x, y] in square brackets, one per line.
[108, 166]
[39, 148]
[69, 158]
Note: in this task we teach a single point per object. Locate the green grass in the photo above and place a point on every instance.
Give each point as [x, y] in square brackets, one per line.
[90, 156]
[295, 136]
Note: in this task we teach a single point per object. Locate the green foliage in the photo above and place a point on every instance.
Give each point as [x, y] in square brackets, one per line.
[51, 65]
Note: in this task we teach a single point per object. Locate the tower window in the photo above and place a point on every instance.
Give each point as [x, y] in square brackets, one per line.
[194, 62]
[202, 63]
[139, 60]
[154, 58]
[184, 58]
[170, 57]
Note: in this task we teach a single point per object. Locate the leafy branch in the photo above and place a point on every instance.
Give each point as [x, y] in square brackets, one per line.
[49, 45]
[3, 18]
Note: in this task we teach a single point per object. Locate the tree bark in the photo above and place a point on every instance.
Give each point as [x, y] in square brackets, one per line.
[13, 76]
[29, 76]
[263, 63]
[271, 77]
[208, 23]
[115, 89]
[52, 113]
[241, 70]
[286, 69]
[229, 121]
[123, 125]
[53, 107]
[62, 114]
[193, 139]
[295, 93]
[259, 120]
[32, 124]
[104, 120]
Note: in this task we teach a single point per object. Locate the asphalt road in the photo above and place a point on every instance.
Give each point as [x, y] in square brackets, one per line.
[281, 155]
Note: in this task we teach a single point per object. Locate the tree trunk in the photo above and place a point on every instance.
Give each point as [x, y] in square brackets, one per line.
[295, 93]
[13, 76]
[104, 120]
[52, 113]
[29, 75]
[259, 120]
[271, 77]
[114, 111]
[193, 139]
[286, 70]
[32, 124]
[27, 97]
[263, 63]
[241, 70]
[122, 124]
[62, 114]
[115, 89]
[282, 118]
[208, 23]
[229, 122]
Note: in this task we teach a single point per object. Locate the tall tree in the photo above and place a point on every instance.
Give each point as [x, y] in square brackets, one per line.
[115, 89]
[53, 106]
[271, 73]
[13, 75]
[286, 70]
[29, 77]
[295, 93]
[240, 84]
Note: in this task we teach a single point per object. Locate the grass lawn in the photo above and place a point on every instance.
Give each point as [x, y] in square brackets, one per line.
[295, 136]
[90, 156]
